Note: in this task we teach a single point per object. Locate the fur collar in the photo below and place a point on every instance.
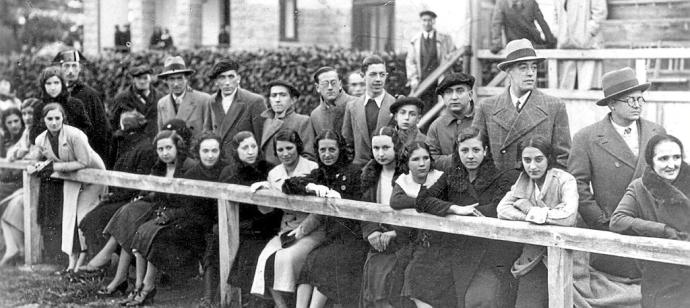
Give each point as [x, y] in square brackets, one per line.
[371, 172]
[459, 175]
[665, 193]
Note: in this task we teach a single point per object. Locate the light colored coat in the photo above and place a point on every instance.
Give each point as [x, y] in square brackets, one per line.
[292, 120]
[579, 26]
[355, 129]
[413, 61]
[78, 198]
[542, 115]
[194, 110]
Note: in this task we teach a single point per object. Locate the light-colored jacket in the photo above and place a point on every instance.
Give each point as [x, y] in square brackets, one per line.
[579, 27]
[444, 49]
[194, 110]
[355, 130]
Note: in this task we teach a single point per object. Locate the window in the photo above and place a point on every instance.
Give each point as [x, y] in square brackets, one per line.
[372, 25]
[288, 20]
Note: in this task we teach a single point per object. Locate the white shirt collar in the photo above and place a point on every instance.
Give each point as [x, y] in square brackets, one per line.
[426, 35]
[632, 138]
[378, 99]
[522, 99]
[180, 97]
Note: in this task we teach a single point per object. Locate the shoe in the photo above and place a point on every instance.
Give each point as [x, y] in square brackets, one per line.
[91, 269]
[120, 289]
[143, 298]
[130, 297]
[64, 272]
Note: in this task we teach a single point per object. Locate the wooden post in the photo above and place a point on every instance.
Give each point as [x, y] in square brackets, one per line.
[641, 70]
[475, 65]
[552, 75]
[229, 241]
[560, 267]
[32, 232]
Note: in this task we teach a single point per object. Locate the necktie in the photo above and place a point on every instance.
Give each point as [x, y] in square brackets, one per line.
[627, 131]
[517, 106]
[372, 113]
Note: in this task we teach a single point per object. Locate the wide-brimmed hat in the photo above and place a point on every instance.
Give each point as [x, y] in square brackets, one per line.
[618, 82]
[518, 51]
[71, 55]
[404, 101]
[174, 65]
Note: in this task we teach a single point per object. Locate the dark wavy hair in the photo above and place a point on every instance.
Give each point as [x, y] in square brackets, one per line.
[4, 115]
[237, 140]
[196, 144]
[328, 134]
[179, 142]
[393, 133]
[288, 135]
[649, 151]
[540, 143]
[407, 151]
[47, 73]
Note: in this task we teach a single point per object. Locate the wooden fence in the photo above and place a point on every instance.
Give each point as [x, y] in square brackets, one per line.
[561, 241]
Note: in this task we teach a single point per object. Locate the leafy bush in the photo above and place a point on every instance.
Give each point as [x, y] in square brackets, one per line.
[108, 72]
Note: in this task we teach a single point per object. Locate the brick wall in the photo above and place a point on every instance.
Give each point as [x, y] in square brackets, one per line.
[326, 23]
[254, 24]
[187, 31]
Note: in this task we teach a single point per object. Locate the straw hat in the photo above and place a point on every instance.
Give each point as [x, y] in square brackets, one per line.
[518, 51]
[618, 82]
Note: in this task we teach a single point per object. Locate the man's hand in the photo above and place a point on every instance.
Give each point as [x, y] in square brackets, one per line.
[386, 238]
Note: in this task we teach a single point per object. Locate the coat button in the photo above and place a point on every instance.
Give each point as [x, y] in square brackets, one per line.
[503, 151]
[617, 164]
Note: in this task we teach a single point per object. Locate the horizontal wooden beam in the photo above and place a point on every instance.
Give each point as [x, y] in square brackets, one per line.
[598, 54]
[647, 248]
[651, 96]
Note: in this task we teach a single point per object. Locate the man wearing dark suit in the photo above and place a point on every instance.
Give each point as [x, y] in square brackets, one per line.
[516, 18]
[608, 155]
[183, 102]
[329, 113]
[234, 109]
[139, 96]
[369, 113]
[522, 111]
[100, 134]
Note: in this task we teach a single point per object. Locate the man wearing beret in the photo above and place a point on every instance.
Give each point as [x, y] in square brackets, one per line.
[183, 102]
[100, 135]
[369, 113]
[522, 112]
[139, 96]
[234, 109]
[457, 94]
[330, 111]
[281, 114]
[425, 53]
[608, 155]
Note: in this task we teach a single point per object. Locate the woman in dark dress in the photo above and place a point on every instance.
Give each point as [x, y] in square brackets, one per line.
[332, 271]
[657, 205]
[247, 167]
[450, 270]
[138, 156]
[175, 238]
[12, 130]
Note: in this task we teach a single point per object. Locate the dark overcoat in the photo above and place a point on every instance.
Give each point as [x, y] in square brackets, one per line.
[244, 114]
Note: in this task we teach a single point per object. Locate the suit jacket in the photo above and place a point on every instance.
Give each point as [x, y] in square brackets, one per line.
[194, 110]
[330, 117]
[542, 115]
[292, 120]
[244, 114]
[601, 158]
[413, 61]
[355, 130]
[129, 100]
[518, 23]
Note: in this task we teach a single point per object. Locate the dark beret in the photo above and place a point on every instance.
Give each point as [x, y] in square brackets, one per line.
[293, 91]
[140, 70]
[455, 79]
[71, 55]
[403, 101]
[427, 12]
[222, 67]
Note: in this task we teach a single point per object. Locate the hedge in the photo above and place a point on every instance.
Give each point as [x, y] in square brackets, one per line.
[108, 72]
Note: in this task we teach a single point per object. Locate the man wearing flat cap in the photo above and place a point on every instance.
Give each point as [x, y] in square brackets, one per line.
[234, 109]
[406, 113]
[333, 99]
[522, 112]
[458, 96]
[139, 96]
[183, 102]
[281, 114]
[426, 51]
[100, 136]
[608, 155]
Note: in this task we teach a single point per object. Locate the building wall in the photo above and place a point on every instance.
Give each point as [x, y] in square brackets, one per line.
[453, 19]
[211, 21]
[254, 24]
[324, 23]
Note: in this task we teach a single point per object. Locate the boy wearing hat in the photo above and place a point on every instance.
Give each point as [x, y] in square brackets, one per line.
[139, 96]
[608, 155]
[234, 109]
[100, 136]
[281, 114]
[183, 102]
[522, 111]
[406, 113]
[457, 94]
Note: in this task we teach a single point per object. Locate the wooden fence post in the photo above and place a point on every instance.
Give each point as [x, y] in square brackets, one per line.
[229, 241]
[560, 267]
[32, 232]
[552, 75]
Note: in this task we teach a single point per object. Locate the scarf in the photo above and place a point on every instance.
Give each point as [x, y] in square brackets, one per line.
[672, 205]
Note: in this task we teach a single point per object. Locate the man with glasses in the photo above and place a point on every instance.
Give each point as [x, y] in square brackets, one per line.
[456, 92]
[330, 111]
[371, 112]
[522, 112]
[607, 155]
[234, 109]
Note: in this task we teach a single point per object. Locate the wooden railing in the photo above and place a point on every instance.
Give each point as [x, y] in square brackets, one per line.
[561, 241]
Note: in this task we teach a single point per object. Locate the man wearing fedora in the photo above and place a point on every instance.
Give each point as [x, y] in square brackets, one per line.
[183, 102]
[522, 111]
[607, 155]
[234, 109]
[100, 136]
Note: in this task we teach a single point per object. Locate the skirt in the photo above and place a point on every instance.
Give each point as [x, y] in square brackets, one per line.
[125, 222]
[384, 274]
[14, 211]
[94, 224]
